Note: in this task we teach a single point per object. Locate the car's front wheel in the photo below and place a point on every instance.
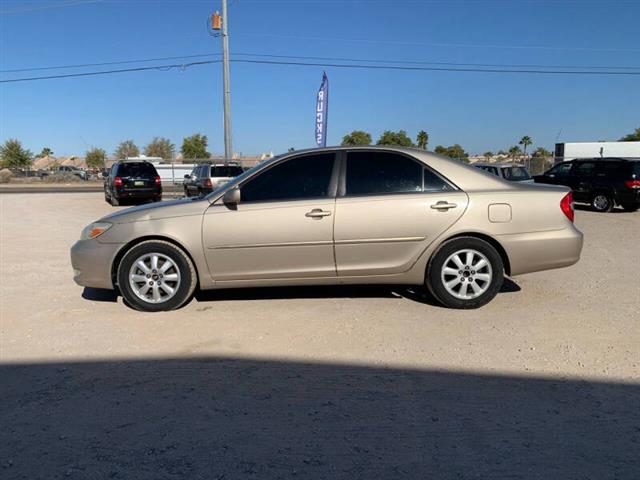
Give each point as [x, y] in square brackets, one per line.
[465, 272]
[156, 275]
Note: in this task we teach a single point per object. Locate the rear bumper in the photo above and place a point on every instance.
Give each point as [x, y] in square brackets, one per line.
[91, 262]
[629, 196]
[138, 192]
[533, 252]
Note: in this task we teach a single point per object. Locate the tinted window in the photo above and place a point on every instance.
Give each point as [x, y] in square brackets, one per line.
[299, 178]
[561, 170]
[433, 183]
[228, 171]
[136, 170]
[516, 173]
[370, 173]
[635, 170]
[585, 169]
[612, 169]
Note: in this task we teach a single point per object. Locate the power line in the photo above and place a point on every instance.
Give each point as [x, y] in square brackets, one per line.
[335, 65]
[333, 59]
[120, 62]
[182, 66]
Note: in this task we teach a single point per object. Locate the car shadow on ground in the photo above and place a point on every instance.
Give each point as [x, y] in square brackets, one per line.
[233, 418]
[588, 208]
[416, 294]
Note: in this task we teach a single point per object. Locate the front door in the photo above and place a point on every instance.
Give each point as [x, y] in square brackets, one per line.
[282, 227]
[391, 209]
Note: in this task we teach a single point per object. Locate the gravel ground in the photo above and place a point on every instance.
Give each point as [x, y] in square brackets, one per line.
[544, 382]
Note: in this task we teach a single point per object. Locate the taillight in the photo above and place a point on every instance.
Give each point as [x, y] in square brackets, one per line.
[632, 184]
[117, 182]
[566, 205]
[157, 180]
[207, 183]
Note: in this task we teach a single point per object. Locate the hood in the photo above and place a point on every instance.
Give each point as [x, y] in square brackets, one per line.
[154, 211]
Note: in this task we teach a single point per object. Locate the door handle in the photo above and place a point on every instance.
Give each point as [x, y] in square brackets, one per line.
[317, 213]
[443, 206]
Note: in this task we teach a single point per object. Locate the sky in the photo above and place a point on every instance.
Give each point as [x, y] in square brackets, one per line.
[273, 106]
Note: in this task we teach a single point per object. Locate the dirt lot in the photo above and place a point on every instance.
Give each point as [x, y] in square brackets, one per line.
[544, 382]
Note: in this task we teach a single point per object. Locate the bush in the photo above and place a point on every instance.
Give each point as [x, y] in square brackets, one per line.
[5, 175]
[62, 178]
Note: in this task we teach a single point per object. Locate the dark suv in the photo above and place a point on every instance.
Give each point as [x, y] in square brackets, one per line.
[132, 180]
[206, 177]
[601, 182]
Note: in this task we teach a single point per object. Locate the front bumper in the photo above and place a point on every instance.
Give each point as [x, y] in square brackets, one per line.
[91, 262]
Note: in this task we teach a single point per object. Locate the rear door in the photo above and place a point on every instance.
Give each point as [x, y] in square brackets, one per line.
[389, 209]
[137, 176]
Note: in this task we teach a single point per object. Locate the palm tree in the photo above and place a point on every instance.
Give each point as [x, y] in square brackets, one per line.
[488, 155]
[422, 139]
[525, 142]
[514, 152]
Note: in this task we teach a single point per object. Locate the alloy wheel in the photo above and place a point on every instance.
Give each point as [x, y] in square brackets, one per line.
[466, 274]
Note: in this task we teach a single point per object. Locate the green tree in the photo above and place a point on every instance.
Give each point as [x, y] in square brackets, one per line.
[195, 146]
[541, 153]
[515, 152]
[390, 137]
[501, 152]
[13, 155]
[454, 151]
[488, 155]
[160, 147]
[126, 149]
[422, 139]
[95, 158]
[357, 137]
[46, 151]
[525, 142]
[632, 137]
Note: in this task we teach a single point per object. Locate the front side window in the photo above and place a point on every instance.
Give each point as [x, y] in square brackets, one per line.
[585, 169]
[296, 179]
[380, 173]
[561, 170]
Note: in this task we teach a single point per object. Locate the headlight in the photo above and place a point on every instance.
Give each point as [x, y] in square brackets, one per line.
[94, 230]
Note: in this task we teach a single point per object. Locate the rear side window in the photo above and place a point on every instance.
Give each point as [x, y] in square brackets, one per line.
[434, 183]
[136, 170]
[371, 173]
[516, 173]
[296, 179]
[226, 171]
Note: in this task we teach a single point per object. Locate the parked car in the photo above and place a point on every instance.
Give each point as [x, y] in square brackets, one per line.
[508, 171]
[135, 181]
[70, 169]
[601, 182]
[207, 177]
[343, 215]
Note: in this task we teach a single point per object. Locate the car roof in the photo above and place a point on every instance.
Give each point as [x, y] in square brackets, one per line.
[464, 175]
[497, 165]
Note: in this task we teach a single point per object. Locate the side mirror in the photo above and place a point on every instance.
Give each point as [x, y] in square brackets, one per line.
[187, 176]
[231, 198]
[105, 173]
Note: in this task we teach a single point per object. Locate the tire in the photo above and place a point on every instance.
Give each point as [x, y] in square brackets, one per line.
[107, 198]
[451, 263]
[132, 279]
[114, 201]
[602, 202]
[630, 207]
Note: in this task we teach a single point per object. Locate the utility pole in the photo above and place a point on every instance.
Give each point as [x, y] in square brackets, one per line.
[228, 149]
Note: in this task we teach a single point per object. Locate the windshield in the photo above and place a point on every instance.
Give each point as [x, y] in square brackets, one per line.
[226, 171]
[516, 173]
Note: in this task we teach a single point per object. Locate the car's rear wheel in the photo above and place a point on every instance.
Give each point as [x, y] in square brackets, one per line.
[156, 276]
[602, 202]
[465, 272]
